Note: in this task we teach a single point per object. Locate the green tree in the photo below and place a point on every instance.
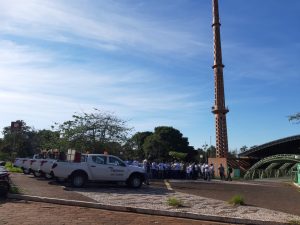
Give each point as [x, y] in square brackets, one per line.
[180, 156]
[154, 148]
[114, 148]
[211, 152]
[232, 153]
[201, 156]
[21, 142]
[136, 143]
[127, 151]
[243, 148]
[164, 140]
[48, 139]
[93, 131]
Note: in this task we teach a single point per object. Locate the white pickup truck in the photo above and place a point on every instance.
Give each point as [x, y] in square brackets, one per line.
[25, 163]
[45, 167]
[99, 167]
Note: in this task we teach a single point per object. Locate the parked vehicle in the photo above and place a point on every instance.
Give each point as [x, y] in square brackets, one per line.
[45, 167]
[98, 167]
[18, 162]
[25, 163]
[4, 182]
[35, 166]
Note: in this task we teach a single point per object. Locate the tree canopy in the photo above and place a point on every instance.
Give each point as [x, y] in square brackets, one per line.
[97, 132]
[26, 141]
[93, 132]
[134, 146]
[163, 141]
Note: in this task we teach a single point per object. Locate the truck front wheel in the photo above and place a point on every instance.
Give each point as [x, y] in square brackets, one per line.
[26, 171]
[48, 176]
[135, 181]
[37, 174]
[78, 180]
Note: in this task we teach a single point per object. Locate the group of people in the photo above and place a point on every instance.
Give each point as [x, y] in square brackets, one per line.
[180, 170]
[222, 172]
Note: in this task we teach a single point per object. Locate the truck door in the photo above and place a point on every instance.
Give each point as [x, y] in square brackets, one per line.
[98, 167]
[118, 169]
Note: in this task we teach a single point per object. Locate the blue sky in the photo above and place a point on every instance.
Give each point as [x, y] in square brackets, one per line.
[149, 62]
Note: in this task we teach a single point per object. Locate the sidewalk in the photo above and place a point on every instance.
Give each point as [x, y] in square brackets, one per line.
[148, 200]
[22, 212]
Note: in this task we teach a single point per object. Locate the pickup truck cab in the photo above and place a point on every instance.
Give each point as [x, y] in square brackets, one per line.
[98, 167]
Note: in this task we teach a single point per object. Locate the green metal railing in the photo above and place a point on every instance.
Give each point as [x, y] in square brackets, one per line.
[256, 171]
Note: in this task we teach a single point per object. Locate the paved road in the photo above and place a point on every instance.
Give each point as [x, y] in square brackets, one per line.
[279, 196]
[30, 185]
[28, 213]
[22, 212]
[258, 194]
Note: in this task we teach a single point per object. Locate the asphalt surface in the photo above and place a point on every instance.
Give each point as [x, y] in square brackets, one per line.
[275, 195]
[27, 212]
[271, 195]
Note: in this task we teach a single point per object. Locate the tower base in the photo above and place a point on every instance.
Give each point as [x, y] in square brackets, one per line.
[216, 162]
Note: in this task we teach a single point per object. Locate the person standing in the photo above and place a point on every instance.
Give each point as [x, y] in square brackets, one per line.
[222, 172]
[146, 166]
[212, 171]
[207, 172]
[229, 171]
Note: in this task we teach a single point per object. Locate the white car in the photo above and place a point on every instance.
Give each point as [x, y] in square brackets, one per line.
[99, 167]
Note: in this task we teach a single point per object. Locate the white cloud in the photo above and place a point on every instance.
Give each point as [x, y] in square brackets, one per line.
[12, 53]
[111, 28]
[61, 57]
[33, 89]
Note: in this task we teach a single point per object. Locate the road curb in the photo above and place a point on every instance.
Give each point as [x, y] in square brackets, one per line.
[142, 210]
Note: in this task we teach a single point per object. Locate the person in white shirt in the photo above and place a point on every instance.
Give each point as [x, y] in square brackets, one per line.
[154, 170]
[212, 171]
[161, 170]
[207, 172]
[146, 166]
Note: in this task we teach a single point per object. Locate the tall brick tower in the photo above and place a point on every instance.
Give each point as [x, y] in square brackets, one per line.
[219, 108]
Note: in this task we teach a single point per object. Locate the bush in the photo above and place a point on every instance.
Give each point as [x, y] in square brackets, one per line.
[9, 166]
[294, 222]
[237, 200]
[14, 190]
[172, 201]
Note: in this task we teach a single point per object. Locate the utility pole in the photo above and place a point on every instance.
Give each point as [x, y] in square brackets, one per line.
[15, 127]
